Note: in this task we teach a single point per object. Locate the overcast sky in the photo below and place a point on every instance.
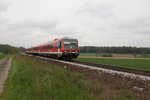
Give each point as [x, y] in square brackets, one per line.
[93, 22]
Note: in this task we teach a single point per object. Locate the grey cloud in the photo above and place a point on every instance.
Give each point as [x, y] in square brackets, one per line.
[28, 31]
[2, 20]
[3, 6]
[67, 31]
[144, 32]
[111, 21]
[97, 10]
[133, 23]
[139, 26]
[33, 25]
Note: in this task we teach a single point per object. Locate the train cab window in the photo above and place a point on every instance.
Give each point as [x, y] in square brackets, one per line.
[70, 44]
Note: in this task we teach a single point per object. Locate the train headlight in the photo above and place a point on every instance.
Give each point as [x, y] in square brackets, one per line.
[65, 51]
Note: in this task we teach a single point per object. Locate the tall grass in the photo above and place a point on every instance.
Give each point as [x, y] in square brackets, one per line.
[32, 79]
[2, 56]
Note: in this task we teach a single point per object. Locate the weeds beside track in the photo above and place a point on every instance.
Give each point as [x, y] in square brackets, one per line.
[31, 78]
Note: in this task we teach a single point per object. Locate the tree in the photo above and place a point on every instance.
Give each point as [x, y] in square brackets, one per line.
[7, 49]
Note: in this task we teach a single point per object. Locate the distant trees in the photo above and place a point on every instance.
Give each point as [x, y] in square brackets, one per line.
[21, 49]
[8, 49]
[109, 50]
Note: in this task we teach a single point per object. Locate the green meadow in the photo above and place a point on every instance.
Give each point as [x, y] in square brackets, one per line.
[130, 63]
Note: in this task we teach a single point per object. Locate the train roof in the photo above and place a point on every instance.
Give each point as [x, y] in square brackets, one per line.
[51, 42]
[67, 38]
[63, 38]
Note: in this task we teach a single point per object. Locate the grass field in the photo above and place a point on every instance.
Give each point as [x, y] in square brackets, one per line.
[146, 56]
[32, 79]
[94, 54]
[87, 54]
[131, 63]
[116, 55]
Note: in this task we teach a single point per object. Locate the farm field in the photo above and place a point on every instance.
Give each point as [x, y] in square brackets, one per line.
[130, 63]
[31, 78]
[147, 56]
[87, 54]
[115, 55]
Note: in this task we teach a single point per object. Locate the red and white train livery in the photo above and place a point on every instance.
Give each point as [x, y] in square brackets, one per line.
[64, 48]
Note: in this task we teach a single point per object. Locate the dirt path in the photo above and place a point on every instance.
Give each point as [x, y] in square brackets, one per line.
[5, 65]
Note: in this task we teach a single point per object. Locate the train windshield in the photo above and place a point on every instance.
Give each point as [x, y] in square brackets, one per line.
[70, 44]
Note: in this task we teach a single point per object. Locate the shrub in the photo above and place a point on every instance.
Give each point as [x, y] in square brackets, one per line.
[107, 55]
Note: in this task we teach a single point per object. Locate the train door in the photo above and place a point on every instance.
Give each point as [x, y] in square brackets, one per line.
[39, 49]
[59, 46]
[56, 50]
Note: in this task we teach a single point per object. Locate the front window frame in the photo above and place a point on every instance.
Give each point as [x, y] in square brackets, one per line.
[71, 42]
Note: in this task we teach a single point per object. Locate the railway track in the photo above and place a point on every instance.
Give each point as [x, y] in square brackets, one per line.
[126, 72]
[123, 69]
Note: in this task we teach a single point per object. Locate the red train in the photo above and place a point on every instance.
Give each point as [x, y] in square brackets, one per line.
[64, 48]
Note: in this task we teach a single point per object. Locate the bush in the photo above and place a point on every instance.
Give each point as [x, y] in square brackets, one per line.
[8, 49]
[107, 55]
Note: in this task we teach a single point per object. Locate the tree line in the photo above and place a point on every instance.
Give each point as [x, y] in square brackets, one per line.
[8, 49]
[123, 49]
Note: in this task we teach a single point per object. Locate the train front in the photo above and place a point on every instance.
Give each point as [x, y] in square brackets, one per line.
[70, 48]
